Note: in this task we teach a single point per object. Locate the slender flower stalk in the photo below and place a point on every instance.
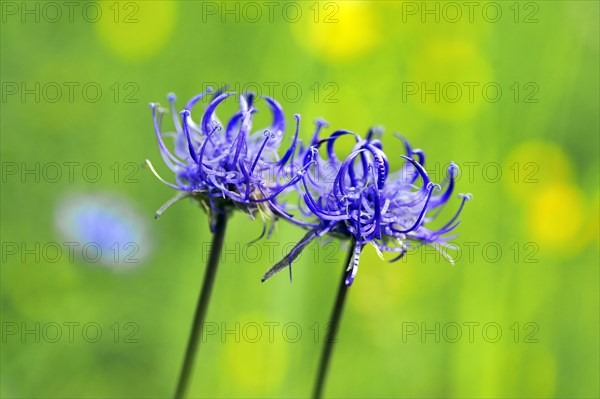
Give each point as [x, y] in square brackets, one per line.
[367, 204]
[224, 167]
[333, 327]
[202, 306]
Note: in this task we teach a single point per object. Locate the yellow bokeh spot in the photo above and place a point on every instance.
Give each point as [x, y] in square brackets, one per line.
[539, 174]
[450, 78]
[555, 216]
[533, 164]
[136, 30]
[338, 31]
[261, 351]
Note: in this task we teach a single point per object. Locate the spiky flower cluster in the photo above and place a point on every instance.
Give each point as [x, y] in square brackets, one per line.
[224, 166]
[227, 166]
[364, 202]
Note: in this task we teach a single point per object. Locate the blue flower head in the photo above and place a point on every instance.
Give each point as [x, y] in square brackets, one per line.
[224, 165]
[363, 201]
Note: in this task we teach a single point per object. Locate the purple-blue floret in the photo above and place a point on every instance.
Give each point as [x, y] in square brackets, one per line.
[366, 203]
[224, 165]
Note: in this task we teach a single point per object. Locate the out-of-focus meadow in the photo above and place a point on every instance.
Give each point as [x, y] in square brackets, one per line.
[507, 90]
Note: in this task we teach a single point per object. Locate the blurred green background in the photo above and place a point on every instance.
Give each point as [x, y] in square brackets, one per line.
[531, 272]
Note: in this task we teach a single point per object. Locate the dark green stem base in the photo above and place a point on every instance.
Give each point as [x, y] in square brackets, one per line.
[202, 306]
[332, 329]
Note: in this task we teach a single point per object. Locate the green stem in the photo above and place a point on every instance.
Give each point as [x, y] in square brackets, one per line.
[332, 329]
[202, 305]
